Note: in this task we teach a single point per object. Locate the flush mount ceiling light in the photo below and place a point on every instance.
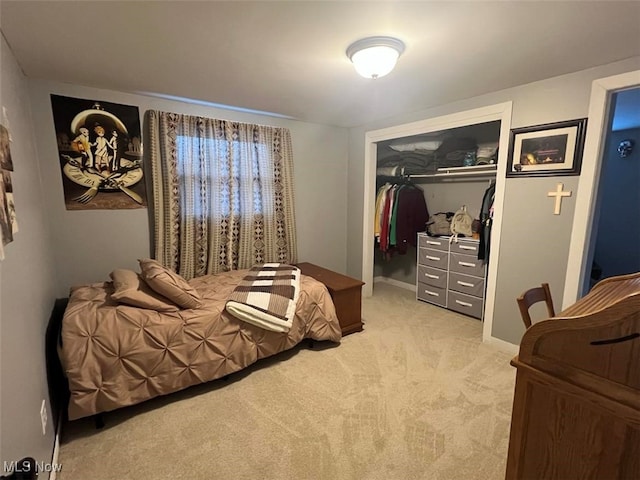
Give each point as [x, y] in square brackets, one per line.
[374, 57]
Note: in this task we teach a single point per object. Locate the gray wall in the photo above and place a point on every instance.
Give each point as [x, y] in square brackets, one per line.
[91, 243]
[535, 243]
[27, 284]
[617, 249]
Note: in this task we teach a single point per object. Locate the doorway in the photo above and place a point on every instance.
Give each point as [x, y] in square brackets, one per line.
[616, 233]
[585, 222]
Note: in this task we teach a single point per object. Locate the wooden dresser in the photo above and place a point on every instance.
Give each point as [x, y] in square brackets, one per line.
[346, 293]
[576, 411]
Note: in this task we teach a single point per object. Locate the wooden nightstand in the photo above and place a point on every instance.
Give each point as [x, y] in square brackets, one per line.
[346, 293]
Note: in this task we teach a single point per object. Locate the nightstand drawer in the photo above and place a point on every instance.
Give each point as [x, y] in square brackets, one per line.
[433, 258]
[432, 294]
[466, 304]
[466, 264]
[466, 284]
[432, 276]
[436, 243]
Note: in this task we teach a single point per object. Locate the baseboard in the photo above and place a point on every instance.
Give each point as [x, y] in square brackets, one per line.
[503, 345]
[395, 283]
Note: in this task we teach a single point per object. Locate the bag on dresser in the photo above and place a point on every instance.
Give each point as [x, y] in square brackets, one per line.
[461, 223]
[439, 224]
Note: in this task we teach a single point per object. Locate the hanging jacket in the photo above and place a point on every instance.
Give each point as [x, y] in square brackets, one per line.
[412, 215]
[486, 219]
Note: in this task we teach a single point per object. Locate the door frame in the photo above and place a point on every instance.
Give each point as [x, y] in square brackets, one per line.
[602, 91]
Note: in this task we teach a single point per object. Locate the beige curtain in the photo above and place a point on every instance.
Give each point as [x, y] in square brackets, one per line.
[222, 194]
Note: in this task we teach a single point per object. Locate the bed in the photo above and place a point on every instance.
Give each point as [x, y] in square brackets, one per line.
[114, 355]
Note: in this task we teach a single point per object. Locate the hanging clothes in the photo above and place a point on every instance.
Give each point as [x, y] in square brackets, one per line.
[401, 212]
[486, 220]
[380, 199]
[411, 218]
[384, 220]
[393, 230]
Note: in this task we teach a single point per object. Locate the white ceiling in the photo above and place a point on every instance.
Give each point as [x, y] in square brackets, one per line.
[288, 58]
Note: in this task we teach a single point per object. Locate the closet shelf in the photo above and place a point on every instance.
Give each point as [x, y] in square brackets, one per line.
[475, 170]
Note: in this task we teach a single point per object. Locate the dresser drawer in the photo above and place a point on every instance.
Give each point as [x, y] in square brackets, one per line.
[466, 247]
[466, 284]
[433, 258]
[466, 304]
[466, 264]
[432, 276]
[432, 294]
[436, 243]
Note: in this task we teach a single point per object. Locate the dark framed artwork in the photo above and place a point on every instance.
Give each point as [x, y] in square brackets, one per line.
[547, 150]
[100, 154]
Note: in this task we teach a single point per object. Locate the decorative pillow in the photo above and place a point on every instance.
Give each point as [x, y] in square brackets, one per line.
[169, 284]
[130, 289]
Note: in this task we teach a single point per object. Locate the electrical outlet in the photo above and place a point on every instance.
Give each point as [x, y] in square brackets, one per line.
[43, 417]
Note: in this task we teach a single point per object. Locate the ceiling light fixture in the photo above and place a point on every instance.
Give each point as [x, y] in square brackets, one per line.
[374, 57]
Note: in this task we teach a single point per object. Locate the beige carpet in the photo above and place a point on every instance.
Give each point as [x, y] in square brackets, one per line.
[416, 395]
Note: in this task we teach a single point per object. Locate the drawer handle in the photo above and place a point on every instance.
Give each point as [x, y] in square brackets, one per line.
[428, 275]
[429, 257]
[431, 242]
[467, 247]
[433, 294]
[465, 284]
[464, 304]
[466, 264]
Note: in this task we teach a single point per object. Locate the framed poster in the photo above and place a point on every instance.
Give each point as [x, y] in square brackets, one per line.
[100, 154]
[547, 150]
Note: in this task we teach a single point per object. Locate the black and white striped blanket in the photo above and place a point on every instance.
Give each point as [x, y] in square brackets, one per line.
[267, 296]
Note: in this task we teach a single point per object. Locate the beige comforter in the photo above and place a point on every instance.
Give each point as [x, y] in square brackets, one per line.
[114, 355]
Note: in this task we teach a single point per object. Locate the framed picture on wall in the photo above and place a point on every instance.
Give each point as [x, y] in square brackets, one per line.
[8, 222]
[100, 154]
[547, 150]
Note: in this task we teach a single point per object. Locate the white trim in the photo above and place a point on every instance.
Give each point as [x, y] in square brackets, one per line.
[502, 112]
[396, 283]
[56, 449]
[586, 198]
[502, 345]
[496, 227]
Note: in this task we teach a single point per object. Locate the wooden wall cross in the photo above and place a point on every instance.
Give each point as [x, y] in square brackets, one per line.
[558, 194]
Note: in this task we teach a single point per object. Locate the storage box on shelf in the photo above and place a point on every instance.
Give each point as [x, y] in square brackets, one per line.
[450, 274]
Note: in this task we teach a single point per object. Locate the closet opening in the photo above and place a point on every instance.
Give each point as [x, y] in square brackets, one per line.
[449, 169]
[451, 161]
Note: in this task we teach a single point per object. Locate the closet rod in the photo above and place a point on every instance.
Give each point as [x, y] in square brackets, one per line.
[455, 174]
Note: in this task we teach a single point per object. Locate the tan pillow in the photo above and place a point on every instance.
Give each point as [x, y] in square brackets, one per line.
[169, 284]
[130, 289]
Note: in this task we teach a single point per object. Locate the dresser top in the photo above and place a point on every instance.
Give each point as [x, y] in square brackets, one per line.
[448, 237]
[332, 280]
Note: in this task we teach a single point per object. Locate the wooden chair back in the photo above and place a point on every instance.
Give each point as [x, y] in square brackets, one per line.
[533, 296]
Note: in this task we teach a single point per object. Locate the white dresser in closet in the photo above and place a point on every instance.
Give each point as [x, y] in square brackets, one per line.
[450, 275]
